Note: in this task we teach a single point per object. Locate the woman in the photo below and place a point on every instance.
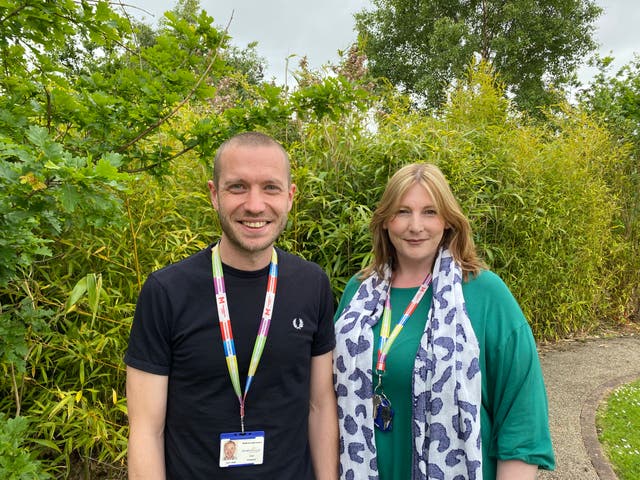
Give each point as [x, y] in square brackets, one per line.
[436, 369]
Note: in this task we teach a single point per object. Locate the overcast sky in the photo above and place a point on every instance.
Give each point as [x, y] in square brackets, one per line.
[319, 28]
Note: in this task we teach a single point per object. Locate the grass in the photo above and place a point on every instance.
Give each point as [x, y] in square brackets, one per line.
[618, 422]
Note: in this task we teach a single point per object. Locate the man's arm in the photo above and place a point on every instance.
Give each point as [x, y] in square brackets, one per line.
[147, 406]
[323, 419]
[516, 470]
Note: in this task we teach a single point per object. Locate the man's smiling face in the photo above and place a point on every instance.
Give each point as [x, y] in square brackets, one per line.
[253, 197]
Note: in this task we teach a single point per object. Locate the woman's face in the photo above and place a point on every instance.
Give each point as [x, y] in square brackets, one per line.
[416, 229]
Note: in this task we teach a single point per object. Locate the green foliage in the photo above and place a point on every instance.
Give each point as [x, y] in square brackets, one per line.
[16, 462]
[45, 190]
[91, 285]
[617, 422]
[73, 387]
[546, 211]
[616, 97]
[424, 46]
[615, 100]
[247, 61]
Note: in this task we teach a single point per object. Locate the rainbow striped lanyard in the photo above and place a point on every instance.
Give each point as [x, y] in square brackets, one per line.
[387, 340]
[227, 333]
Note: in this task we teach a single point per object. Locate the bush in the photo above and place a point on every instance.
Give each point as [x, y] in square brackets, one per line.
[16, 462]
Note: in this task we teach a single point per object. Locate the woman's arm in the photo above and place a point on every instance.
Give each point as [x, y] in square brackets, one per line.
[516, 470]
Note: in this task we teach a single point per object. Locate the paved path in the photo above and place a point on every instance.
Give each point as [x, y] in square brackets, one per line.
[577, 375]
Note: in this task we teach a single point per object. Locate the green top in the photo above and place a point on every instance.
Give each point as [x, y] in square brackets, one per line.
[514, 413]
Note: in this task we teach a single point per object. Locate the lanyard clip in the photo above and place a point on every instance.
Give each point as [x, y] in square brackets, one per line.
[378, 388]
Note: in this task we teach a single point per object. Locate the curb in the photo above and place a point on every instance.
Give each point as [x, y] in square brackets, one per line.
[588, 426]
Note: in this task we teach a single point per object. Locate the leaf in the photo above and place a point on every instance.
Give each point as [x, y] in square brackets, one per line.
[65, 402]
[51, 166]
[32, 180]
[69, 197]
[94, 287]
[38, 136]
[106, 169]
[46, 443]
[78, 291]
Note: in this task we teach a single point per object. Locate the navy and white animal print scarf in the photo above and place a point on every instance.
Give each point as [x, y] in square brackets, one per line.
[446, 382]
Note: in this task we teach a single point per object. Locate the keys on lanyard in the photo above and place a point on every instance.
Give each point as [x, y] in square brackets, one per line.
[382, 410]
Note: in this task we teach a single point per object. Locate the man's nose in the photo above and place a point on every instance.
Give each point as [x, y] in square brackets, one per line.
[255, 200]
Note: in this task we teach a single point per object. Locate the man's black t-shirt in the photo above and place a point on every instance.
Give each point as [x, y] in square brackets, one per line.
[175, 332]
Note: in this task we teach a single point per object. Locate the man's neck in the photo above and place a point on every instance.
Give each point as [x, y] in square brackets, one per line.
[243, 260]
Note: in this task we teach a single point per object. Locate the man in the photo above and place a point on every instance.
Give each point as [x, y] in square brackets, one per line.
[194, 332]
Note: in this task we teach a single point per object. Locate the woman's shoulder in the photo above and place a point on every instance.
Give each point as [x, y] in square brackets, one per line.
[486, 284]
[349, 291]
[487, 292]
[490, 303]
[354, 281]
[352, 286]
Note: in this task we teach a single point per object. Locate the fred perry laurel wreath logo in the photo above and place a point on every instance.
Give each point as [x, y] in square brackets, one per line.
[298, 323]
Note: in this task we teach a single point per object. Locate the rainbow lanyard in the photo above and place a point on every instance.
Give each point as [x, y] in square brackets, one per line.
[227, 333]
[387, 340]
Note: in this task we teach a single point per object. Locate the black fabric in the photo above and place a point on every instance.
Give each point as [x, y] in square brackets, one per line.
[175, 332]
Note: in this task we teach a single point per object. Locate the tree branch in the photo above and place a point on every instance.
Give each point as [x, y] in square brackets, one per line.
[157, 164]
[213, 55]
[15, 389]
[14, 13]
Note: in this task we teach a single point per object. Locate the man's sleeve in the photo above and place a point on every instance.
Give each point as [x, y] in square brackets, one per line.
[325, 339]
[150, 339]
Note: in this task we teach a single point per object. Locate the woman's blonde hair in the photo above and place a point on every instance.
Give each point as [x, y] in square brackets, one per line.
[457, 235]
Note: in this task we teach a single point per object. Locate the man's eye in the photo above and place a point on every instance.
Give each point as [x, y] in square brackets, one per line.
[236, 187]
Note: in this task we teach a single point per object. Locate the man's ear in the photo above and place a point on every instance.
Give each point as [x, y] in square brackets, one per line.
[213, 194]
[292, 192]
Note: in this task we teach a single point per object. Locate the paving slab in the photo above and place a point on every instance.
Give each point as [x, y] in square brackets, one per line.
[578, 375]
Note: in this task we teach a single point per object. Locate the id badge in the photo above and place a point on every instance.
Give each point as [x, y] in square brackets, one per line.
[240, 449]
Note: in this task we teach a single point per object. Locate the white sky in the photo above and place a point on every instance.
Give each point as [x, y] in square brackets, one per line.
[319, 28]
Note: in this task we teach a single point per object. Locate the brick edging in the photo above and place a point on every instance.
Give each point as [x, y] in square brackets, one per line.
[588, 426]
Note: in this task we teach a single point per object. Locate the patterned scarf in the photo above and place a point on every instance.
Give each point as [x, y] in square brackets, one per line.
[446, 382]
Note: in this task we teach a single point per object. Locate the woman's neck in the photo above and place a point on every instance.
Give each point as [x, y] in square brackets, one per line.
[409, 277]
